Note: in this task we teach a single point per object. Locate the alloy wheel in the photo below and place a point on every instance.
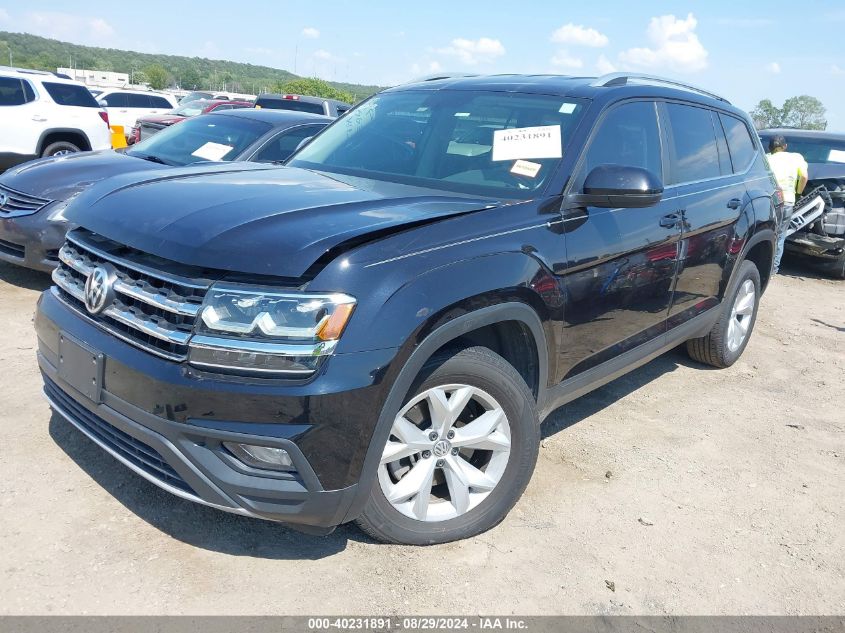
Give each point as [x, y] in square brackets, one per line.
[742, 313]
[448, 449]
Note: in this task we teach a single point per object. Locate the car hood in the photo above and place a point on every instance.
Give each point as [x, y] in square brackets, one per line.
[251, 218]
[60, 177]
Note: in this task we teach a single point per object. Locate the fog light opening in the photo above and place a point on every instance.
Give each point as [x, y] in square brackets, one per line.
[265, 457]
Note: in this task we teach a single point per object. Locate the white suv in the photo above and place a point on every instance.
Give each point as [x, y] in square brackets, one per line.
[127, 106]
[42, 114]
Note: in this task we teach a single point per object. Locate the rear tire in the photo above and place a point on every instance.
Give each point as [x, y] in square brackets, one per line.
[725, 343]
[467, 484]
[60, 148]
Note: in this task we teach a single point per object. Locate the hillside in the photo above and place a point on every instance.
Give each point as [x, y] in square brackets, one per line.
[31, 51]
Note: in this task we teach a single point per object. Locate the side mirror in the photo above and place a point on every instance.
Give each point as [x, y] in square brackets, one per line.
[103, 103]
[612, 186]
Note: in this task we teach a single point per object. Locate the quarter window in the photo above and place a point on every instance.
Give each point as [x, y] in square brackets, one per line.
[693, 144]
[628, 136]
[15, 91]
[739, 142]
[70, 95]
[138, 101]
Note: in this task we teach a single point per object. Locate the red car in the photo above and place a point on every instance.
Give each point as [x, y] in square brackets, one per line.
[149, 125]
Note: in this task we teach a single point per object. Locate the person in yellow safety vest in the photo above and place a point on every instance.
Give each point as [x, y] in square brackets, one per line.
[791, 172]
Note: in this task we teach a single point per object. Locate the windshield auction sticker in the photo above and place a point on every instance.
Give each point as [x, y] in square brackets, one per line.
[212, 151]
[527, 142]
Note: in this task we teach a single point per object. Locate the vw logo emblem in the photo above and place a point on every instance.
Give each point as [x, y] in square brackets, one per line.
[442, 448]
[3, 199]
[98, 288]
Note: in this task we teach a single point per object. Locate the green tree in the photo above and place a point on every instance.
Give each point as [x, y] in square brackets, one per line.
[157, 76]
[804, 112]
[766, 115]
[191, 79]
[314, 87]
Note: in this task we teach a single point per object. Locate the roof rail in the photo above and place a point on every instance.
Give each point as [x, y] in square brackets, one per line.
[621, 79]
[443, 75]
[27, 71]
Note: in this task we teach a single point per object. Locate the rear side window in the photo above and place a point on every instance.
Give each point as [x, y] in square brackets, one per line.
[70, 95]
[14, 91]
[290, 104]
[692, 145]
[628, 136]
[160, 102]
[739, 142]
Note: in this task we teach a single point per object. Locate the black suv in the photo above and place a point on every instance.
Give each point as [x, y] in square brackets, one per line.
[375, 331]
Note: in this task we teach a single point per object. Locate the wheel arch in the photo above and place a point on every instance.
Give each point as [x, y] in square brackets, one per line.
[441, 333]
[54, 135]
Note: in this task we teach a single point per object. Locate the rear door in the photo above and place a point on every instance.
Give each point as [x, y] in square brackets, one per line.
[711, 198]
[620, 262]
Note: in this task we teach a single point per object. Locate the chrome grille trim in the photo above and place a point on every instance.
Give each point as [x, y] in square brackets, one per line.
[19, 203]
[122, 315]
[81, 264]
[80, 242]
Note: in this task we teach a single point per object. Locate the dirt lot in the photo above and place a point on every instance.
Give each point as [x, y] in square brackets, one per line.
[676, 489]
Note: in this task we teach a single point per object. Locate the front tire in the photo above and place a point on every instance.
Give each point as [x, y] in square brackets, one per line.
[725, 343]
[460, 453]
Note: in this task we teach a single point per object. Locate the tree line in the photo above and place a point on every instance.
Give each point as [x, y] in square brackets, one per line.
[803, 113]
[166, 71]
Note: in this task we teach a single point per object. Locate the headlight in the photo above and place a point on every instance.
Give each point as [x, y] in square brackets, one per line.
[57, 211]
[268, 332]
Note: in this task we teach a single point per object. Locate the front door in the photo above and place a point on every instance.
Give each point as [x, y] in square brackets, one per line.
[620, 262]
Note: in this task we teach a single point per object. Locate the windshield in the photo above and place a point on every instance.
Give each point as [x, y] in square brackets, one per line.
[192, 108]
[817, 150]
[482, 143]
[203, 138]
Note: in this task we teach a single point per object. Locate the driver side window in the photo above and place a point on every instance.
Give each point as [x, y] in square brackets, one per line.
[628, 135]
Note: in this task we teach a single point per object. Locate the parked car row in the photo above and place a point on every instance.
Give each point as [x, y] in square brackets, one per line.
[373, 331]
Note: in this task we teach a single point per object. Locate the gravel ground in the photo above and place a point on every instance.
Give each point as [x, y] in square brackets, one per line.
[675, 490]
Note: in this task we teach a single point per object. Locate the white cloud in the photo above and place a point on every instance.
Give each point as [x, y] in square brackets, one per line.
[563, 59]
[90, 30]
[473, 52]
[311, 32]
[773, 68]
[578, 35]
[674, 45]
[604, 65]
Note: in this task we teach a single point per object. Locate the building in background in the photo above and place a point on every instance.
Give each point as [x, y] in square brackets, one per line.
[96, 78]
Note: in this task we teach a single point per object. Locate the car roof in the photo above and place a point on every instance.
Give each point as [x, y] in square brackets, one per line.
[26, 73]
[137, 92]
[305, 98]
[274, 117]
[608, 88]
[808, 134]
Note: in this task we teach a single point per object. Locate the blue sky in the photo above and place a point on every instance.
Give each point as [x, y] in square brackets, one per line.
[744, 50]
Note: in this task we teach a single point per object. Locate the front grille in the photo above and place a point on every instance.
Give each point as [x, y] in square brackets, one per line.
[10, 248]
[134, 451]
[17, 203]
[156, 302]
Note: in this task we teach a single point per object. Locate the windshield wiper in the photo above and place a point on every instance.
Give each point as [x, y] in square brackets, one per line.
[153, 159]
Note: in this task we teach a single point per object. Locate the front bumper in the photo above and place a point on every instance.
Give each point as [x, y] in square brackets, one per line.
[32, 240]
[167, 422]
[825, 252]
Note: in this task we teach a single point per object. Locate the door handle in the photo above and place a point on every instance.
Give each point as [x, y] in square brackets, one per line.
[734, 203]
[39, 118]
[670, 221]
